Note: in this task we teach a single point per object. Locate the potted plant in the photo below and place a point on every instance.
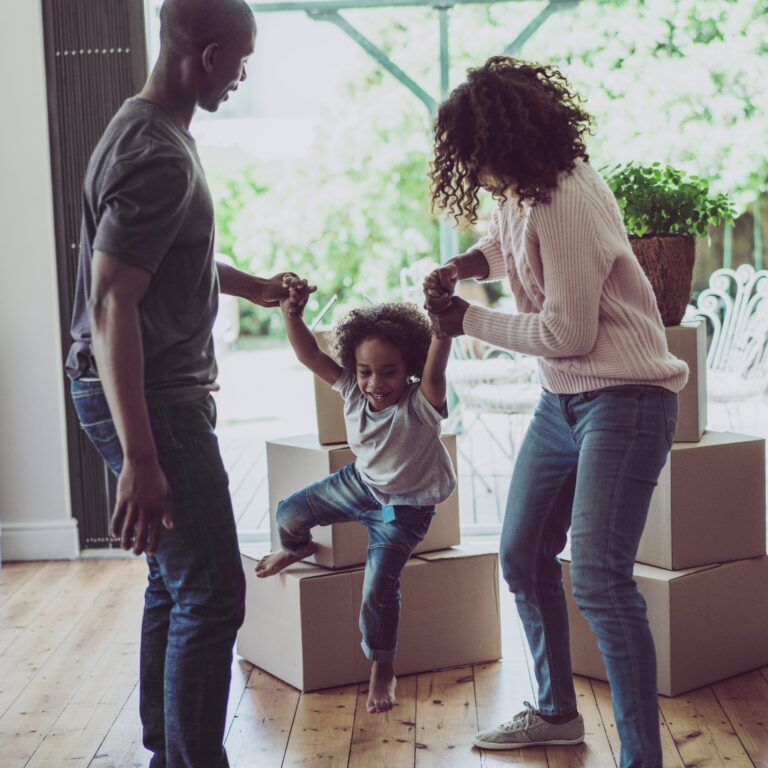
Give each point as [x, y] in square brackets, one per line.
[664, 210]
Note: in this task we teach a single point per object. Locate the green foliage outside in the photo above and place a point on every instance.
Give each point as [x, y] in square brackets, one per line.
[348, 221]
[678, 82]
[661, 200]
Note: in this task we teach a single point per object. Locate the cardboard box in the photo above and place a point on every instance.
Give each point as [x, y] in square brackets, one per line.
[688, 341]
[302, 624]
[329, 407]
[296, 462]
[708, 623]
[709, 505]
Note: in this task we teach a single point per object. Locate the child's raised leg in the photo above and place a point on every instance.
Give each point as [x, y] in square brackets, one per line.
[338, 498]
[390, 545]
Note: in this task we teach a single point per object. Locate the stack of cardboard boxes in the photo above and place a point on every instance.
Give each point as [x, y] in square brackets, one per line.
[301, 625]
[702, 565]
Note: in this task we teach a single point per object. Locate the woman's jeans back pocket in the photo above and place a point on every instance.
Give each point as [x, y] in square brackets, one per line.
[671, 413]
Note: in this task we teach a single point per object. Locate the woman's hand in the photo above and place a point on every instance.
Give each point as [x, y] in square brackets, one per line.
[449, 322]
[439, 286]
[299, 292]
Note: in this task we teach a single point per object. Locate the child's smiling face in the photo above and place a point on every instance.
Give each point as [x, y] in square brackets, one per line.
[381, 373]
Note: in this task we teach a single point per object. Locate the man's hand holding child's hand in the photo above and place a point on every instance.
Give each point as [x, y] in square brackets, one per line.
[299, 292]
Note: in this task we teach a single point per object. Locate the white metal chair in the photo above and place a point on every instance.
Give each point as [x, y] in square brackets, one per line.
[489, 382]
[735, 307]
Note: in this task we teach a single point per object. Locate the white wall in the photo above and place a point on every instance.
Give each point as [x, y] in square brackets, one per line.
[35, 514]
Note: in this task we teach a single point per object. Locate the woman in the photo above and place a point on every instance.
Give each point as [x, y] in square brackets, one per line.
[608, 411]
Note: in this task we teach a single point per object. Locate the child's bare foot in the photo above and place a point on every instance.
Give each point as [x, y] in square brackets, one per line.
[381, 691]
[271, 564]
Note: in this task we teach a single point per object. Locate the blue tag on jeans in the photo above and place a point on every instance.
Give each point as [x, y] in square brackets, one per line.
[389, 513]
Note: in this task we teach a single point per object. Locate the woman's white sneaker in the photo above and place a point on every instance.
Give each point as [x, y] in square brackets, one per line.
[528, 729]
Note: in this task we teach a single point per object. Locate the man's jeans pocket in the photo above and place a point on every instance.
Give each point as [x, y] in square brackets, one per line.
[96, 421]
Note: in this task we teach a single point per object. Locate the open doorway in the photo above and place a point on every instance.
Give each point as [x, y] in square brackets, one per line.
[318, 167]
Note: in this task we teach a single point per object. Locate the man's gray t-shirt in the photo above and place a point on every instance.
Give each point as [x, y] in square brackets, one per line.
[146, 202]
[399, 453]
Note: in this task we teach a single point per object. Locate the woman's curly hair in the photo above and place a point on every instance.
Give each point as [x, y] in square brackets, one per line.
[402, 325]
[519, 122]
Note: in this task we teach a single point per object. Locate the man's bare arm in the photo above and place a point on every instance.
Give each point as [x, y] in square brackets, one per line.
[266, 292]
[143, 496]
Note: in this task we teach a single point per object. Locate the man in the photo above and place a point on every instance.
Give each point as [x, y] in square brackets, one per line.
[142, 369]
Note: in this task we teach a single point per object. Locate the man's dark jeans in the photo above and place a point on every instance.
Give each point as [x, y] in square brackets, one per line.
[194, 602]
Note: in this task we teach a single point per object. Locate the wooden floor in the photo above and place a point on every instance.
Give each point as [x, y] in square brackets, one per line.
[69, 696]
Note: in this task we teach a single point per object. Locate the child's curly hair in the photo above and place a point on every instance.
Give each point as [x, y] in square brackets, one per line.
[402, 325]
[517, 121]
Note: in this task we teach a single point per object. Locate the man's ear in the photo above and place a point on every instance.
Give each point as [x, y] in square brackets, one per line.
[210, 55]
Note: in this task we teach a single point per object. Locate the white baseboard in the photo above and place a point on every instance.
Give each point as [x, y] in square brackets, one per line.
[40, 540]
[108, 554]
[251, 537]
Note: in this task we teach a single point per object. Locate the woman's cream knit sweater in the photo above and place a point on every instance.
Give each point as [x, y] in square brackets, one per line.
[584, 306]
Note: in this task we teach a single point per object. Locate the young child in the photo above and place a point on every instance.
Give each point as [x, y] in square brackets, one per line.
[392, 379]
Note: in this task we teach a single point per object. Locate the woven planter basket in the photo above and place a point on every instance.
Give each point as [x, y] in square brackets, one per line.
[668, 264]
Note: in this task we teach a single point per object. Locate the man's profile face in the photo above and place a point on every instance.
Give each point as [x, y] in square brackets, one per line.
[228, 71]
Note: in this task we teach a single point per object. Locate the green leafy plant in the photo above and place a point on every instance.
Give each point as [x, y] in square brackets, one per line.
[660, 200]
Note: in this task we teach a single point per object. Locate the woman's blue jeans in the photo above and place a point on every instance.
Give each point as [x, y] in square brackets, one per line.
[343, 497]
[590, 462]
[195, 596]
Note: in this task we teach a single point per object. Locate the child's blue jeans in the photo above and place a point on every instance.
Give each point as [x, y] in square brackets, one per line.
[590, 462]
[343, 497]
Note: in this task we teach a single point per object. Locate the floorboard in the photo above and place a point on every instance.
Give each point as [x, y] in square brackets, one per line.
[68, 685]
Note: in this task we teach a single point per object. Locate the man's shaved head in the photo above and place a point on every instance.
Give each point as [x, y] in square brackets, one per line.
[188, 26]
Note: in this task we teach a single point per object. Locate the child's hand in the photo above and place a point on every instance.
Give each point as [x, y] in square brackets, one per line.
[438, 287]
[299, 292]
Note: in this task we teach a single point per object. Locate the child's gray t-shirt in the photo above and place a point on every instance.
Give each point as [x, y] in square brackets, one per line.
[399, 453]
